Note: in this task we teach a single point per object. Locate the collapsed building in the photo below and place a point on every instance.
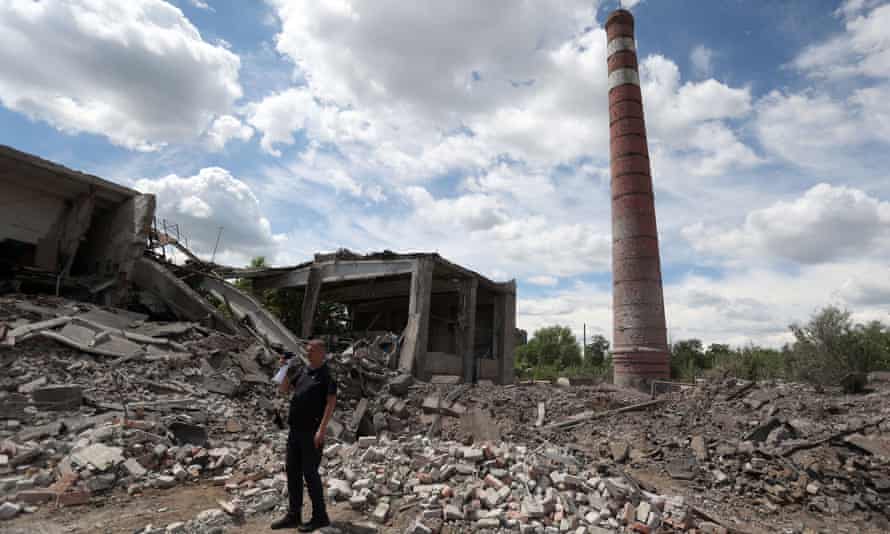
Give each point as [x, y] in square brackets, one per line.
[61, 227]
[456, 322]
[67, 232]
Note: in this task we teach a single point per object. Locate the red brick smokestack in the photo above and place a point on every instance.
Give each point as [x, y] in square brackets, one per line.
[640, 337]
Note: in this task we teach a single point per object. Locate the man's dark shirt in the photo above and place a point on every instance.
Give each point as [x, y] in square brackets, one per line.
[311, 388]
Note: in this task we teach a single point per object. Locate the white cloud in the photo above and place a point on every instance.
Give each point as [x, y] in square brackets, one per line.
[224, 129]
[825, 224]
[473, 212]
[629, 4]
[543, 280]
[532, 86]
[810, 130]
[136, 72]
[211, 199]
[702, 59]
[863, 49]
[201, 4]
[852, 8]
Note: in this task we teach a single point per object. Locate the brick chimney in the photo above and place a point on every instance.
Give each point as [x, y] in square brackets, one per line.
[639, 334]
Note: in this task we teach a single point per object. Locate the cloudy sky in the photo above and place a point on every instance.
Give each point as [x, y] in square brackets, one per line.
[479, 130]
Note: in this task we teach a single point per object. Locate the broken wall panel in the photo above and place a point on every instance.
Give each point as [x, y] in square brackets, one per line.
[184, 301]
[265, 323]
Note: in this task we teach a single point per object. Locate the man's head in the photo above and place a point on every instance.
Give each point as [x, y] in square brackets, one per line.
[315, 352]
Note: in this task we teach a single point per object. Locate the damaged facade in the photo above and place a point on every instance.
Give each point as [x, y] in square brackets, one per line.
[75, 234]
[60, 227]
[456, 323]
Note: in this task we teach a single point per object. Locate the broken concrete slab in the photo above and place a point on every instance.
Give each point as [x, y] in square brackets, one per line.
[264, 322]
[875, 446]
[78, 333]
[220, 384]
[118, 319]
[12, 406]
[58, 397]
[179, 297]
[762, 432]
[99, 456]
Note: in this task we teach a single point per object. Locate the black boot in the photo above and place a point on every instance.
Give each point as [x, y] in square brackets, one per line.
[315, 524]
[288, 521]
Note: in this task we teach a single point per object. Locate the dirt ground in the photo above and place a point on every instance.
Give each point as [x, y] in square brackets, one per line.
[126, 515]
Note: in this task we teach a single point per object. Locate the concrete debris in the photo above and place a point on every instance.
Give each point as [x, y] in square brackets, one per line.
[78, 428]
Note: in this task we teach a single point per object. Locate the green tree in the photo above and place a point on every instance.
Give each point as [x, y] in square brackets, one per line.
[596, 352]
[688, 359]
[554, 346]
[819, 352]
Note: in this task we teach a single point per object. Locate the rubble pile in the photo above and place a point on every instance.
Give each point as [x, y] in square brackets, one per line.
[759, 450]
[94, 399]
[432, 485]
[487, 486]
[97, 402]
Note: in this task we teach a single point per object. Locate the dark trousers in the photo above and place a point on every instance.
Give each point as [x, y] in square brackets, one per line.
[303, 458]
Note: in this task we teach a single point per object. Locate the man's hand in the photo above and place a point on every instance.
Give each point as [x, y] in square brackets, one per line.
[319, 438]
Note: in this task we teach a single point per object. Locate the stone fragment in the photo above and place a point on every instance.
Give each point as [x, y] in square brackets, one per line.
[620, 450]
[488, 522]
[100, 456]
[401, 384]
[762, 432]
[188, 434]
[381, 512]
[165, 482]
[101, 482]
[680, 470]
[32, 385]
[700, 448]
[134, 468]
[339, 489]
[75, 498]
[36, 496]
[417, 527]
[9, 510]
[452, 513]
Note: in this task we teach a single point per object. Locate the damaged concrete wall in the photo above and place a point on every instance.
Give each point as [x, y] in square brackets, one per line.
[116, 240]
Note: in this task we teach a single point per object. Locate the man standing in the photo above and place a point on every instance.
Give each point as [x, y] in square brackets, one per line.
[313, 397]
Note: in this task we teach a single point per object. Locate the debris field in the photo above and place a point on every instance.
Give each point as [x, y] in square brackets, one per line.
[101, 404]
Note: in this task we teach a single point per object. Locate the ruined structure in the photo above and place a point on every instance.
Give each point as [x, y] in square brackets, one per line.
[456, 322]
[640, 337]
[59, 226]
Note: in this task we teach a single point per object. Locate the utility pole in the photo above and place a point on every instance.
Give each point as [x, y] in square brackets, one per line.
[218, 235]
[584, 346]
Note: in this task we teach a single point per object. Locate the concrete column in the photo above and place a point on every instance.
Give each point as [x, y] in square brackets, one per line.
[639, 335]
[508, 335]
[413, 356]
[310, 301]
[466, 331]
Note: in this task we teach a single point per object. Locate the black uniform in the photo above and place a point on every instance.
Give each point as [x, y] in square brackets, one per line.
[311, 388]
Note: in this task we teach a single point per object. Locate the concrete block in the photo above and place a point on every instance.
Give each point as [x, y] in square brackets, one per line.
[99, 456]
[58, 397]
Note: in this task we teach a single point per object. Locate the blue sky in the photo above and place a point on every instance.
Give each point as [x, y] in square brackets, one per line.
[479, 130]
